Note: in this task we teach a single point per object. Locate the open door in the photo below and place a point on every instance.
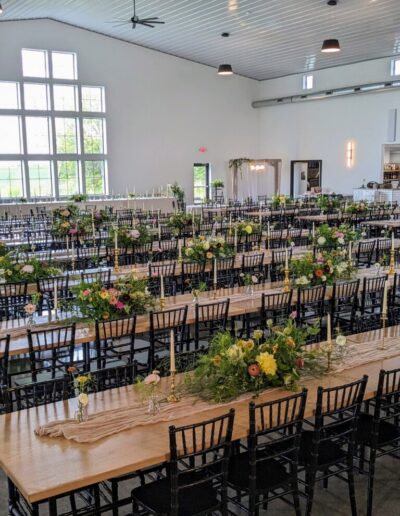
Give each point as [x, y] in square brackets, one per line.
[305, 176]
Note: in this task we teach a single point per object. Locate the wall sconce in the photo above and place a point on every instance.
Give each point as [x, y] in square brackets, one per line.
[350, 154]
[257, 167]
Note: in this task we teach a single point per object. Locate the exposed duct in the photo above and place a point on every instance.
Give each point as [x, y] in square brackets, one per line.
[376, 87]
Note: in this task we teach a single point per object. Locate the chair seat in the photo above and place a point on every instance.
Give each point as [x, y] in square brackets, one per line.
[44, 376]
[387, 431]
[328, 452]
[156, 496]
[270, 473]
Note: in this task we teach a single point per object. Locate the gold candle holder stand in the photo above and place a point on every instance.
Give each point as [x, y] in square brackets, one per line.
[162, 303]
[391, 263]
[116, 261]
[173, 397]
[286, 281]
[382, 344]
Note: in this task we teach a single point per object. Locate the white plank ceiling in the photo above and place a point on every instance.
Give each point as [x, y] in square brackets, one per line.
[269, 38]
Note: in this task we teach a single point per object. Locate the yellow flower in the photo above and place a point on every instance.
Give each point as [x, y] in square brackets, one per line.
[106, 315]
[248, 229]
[249, 345]
[202, 237]
[290, 342]
[82, 380]
[234, 353]
[258, 334]
[209, 255]
[267, 363]
[217, 360]
[275, 348]
[241, 343]
[83, 399]
[103, 295]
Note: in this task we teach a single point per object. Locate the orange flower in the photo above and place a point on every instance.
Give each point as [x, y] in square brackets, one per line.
[318, 273]
[290, 342]
[106, 315]
[72, 370]
[209, 255]
[217, 360]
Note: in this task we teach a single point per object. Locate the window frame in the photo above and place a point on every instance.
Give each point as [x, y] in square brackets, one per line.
[306, 78]
[395, 63]
[54, 157]
[207, 187]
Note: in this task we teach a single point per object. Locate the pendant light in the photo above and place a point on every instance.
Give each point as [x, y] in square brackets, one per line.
[330, 46]
[225, 69]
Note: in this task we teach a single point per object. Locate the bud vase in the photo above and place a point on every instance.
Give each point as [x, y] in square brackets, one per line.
[81, 413]
[153, 405]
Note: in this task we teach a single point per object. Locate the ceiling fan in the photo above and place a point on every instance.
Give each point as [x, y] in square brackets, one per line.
[135, 20]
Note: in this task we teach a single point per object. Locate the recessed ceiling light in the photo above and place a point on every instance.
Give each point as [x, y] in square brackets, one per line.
[225, 69]
[329, 46]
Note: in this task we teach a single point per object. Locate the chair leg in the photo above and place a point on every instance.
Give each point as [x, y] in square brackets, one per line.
[296, 501]
[310, 482]
[371, 478]
[114, 495]
[352, 493]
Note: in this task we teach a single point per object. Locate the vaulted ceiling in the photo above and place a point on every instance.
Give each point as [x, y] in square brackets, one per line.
[268, 38]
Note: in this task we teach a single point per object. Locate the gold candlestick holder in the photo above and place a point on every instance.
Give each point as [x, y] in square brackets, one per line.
[286, 281]
[162, 303]
[391, 263]
[73, 261]
[116, 261]
[382, 344]
[173, 396]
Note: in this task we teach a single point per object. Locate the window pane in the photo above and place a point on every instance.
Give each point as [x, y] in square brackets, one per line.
[34, 63]
[93, 99]
[9, 95]
[11, 179]
[68, 178]
[66, 136]
[199, 194]
[36, 96]
[64, 65]
[94, 177]
[38, 135]
[10, 135]
[65, 98]
[397, 67]
[199, 176]
[40, 178]
[93, 135]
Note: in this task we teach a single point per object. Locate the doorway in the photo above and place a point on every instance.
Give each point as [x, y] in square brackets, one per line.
[201, 182]
[305, 176]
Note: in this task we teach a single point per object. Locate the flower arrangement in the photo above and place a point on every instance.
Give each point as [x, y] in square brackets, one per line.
[335, 236]
[357, 207]
[279, 201]
[244, 228]
[30, 270]
[128, 297]
[82, 383]
[202, 249]
[30, 308]
[79, 198]
[217, 183]
[148, 390]
[180, 220]
[235, 366]
[178, 192]
[129, 236]
[328, 202]
[323, 269]
[3, 249]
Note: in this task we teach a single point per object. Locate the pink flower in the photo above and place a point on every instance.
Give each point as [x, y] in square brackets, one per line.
[30, 309]
[73, 231]
[97, 215]
[86, 293]
[300, 363]
[27, 269]
[254, 279]
[293, 315]
[113, 301]
[120, 305]
[134, 234]
[113, 292]
[254, 370]
[152, 379]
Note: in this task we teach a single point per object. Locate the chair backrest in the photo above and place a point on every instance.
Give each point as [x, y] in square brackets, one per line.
[210, 318]
[162, 269]
[5, 352]
[387, 403]
[113, 377]
[276, 307]
[193, 449]
[372, 292]
[252, 261]
[274, 431]
[279, 255]
[46, 347]
[337, 411]
[36, 394]
[344, 293]
[13, 289]
[47, 285]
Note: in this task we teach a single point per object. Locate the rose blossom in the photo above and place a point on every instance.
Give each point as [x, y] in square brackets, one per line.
[152, 379]
[300, 363]
[86, 293]
[73, 231]
[120, 305]
[254, 370]
[134, 234]
[30, 308]
[28, 269]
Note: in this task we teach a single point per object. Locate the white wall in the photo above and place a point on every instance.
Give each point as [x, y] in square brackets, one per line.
[160, 109]
[321, 129]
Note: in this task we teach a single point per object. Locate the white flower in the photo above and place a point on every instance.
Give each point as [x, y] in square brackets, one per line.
[321, 240]
[234, 353]
[83, 399]
[254, 279]
[323, 278]
[341, 241]
[303, 280]
[134, 234]
[30, 308]
[206, 246]
[292, 244]
[341, 340]
[27, 269]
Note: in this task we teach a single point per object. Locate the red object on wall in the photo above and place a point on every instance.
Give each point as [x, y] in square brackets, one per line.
[202, 150]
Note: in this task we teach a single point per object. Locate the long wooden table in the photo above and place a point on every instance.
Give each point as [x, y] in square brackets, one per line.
[43, 467]
[240, 304]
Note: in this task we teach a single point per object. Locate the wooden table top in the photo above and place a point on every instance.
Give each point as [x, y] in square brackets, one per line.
[391, 223]
[42, 467]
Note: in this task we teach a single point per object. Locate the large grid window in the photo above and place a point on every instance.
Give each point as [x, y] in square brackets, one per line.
[52, 130]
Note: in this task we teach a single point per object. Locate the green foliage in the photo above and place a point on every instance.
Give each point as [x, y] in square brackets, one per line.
[202, 249]
[16, 267]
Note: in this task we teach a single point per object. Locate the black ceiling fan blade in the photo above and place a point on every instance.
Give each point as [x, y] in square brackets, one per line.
[118, 21]
[145, 24]
[149, 20]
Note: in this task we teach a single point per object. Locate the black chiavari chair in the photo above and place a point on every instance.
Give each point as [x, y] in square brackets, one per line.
[276, 307]
[192, 275]
[47, 287]
[196, 481]
[344, 303]
[370, 305]
[364, 253]
[210, 318]
[278, 257]
[328, 448]
[13, 298]
[267, 469]
[310, 308]
[103, 277]
[253, 264]
[225, 273]
[167, 272]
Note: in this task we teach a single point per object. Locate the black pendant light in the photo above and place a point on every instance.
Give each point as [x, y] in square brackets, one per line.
[330, 46]
[225, 69]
